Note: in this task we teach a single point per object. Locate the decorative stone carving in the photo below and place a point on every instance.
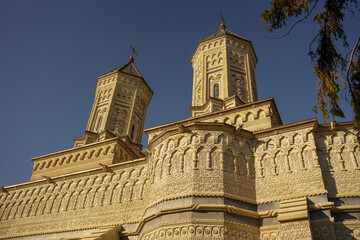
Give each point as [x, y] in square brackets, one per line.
[233, 174]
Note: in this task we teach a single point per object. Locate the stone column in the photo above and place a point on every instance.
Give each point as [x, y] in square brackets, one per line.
[286, 157]
[222, 157]
[168, 160]
[356, 164]
[316, 158]
[294, 220]
[195, 161]
[342, 162]
[248, 166]
[49, 204]
[208, 160]
[181, 162]
[261, 168]
[273, 165]
[301, 158]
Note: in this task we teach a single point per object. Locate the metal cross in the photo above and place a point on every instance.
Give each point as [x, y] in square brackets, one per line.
[222, 18]
[133, 50]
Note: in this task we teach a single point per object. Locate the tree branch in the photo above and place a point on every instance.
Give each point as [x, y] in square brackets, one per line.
[348, 68]
[310, 47]
[292, 27]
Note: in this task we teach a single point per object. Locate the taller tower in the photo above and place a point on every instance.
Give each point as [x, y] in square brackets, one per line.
[224, 72]
[119, 109]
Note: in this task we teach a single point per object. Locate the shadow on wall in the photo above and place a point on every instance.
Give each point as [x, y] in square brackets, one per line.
[327, 163]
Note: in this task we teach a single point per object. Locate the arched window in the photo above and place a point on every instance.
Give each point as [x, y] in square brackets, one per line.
[216, 90]
[132, 131]
[99, 123]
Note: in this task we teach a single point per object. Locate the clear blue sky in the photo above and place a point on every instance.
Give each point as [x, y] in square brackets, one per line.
[51, 53]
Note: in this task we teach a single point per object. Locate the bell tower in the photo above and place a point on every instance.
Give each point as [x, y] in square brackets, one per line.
[224, 72]
[121, 99]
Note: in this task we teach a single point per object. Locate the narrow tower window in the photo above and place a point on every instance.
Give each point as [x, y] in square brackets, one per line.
[216, 90]
[99, 123]
[132, 131]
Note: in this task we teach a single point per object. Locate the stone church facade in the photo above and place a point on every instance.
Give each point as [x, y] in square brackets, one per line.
[230, 171]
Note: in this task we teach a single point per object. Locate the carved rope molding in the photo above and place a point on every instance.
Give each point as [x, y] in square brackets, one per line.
[36, 233]
[201, 194]
[197, 208]
[206, 208]
[201, 230]
[234, 210]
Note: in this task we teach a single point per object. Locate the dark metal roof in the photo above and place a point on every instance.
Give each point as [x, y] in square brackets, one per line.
[128, 67]
[221, 32]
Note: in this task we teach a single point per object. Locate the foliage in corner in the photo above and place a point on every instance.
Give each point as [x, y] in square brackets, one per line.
[353, 78]
[330, 66]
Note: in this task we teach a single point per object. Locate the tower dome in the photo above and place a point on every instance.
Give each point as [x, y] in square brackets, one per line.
[224, 72]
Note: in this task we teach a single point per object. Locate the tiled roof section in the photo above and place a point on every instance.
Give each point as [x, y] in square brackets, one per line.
[222, 32]
[128, 68]
[219, 33]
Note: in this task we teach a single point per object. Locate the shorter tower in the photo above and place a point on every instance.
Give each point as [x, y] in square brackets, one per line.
[119, 109]
[224, 72]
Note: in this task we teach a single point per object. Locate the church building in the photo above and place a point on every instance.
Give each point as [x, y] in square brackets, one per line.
[232, 170]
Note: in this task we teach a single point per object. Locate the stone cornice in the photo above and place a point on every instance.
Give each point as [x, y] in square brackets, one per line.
[76, 174]
[202, 194]
[200, 118]
[200, 208]
[310, 123]
[338, 126]
[192, 208]
[90, 145]
[203, 126]
[236, 211]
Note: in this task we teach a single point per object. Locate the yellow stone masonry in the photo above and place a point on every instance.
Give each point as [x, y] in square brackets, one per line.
[230, 171]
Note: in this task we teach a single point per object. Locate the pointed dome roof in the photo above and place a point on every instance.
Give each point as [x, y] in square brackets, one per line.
[221, 32]
[128, 68]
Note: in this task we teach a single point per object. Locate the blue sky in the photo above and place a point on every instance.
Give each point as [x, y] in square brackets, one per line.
[51, 53]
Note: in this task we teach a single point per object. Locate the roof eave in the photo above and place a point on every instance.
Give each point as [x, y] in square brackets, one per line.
[225, 34]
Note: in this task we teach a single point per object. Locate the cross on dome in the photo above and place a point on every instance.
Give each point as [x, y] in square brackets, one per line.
[222, 26]
[131, 58]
